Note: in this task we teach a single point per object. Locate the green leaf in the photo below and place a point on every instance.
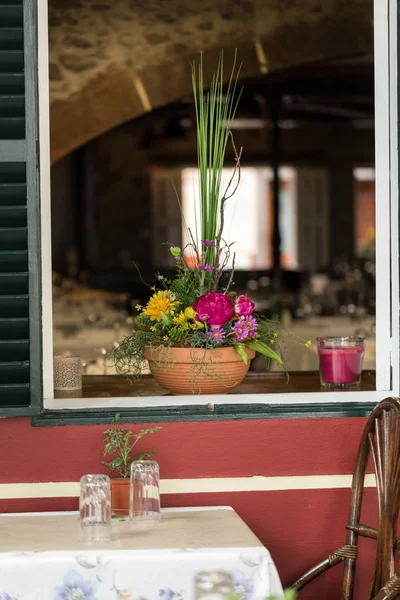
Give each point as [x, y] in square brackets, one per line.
[241, 350]
[290, 594]
[264, 349]
[175, 251]
[145, 455]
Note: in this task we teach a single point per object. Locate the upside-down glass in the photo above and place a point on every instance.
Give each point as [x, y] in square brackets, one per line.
[340, 361]
[144, 501]
[95, 508]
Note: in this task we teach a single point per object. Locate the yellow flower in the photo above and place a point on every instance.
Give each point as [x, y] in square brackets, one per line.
[153, 328]
[186, 315]
[308, 344]
[181, 320]
[190, 313]
[153, 288]
[165, 338]
[161, 303]
[138, 307]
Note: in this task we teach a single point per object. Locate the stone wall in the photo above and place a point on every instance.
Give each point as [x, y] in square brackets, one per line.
[111, 61]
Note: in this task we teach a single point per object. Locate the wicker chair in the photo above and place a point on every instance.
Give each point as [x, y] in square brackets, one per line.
[381, 439]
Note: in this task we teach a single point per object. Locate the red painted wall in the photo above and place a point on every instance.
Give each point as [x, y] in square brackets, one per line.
[299, 527]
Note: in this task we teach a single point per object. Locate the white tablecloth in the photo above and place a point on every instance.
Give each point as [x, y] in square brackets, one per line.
[196, 554]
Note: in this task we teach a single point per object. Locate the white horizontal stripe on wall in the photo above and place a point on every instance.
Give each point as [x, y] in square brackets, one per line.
[257, 483]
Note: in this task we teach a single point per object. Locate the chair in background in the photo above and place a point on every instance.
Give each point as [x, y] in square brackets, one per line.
[381, 440]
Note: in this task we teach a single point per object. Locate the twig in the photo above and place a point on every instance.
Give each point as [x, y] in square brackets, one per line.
[238, 156]
[140, 275]
[224, 199]
[232, 274]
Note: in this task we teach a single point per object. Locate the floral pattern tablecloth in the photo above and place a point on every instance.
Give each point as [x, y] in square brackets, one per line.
[211, 574]
[203, 553]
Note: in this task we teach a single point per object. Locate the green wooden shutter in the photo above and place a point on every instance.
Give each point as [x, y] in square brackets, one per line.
[20, 319]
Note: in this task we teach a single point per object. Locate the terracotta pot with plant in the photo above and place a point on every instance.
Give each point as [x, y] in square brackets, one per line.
[119, 444]
[196, 333]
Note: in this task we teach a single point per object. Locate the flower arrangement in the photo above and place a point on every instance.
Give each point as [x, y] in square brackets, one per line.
[197, 308]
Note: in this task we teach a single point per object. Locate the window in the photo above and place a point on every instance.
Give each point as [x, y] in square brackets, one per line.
[20, 386]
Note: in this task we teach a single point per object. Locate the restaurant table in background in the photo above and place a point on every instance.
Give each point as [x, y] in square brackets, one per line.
[190, 554]
[306, 359]
[92, 339]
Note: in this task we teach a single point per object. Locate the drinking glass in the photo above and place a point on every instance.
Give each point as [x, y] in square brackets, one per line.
[340, 360]
[95, 508]
[144, 500]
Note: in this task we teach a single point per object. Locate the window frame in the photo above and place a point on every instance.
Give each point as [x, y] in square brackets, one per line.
[387, 282]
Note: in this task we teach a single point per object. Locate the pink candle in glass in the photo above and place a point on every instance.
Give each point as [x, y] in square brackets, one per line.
[340, 360]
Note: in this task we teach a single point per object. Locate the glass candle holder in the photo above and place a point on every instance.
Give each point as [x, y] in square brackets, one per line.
[95, 508]
[144, 499]
[67, 373]
[340, 361]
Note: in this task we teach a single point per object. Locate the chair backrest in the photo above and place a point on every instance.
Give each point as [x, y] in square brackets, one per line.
[381, 441]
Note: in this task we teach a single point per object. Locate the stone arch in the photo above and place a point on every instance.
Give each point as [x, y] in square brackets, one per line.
[114, 60]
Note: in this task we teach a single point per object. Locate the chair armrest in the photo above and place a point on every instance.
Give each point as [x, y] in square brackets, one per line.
[390, 590]
[341, 554]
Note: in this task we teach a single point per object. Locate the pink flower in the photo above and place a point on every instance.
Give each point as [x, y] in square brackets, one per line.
[214, 308]
[243, 306]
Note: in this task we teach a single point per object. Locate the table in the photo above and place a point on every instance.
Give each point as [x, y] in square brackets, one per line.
[90, 339]
[191, 554]
[302, 359]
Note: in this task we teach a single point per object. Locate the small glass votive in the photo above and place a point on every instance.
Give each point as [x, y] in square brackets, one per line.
[144, 499]
[95, 508]
[67, 373]
[340, 360]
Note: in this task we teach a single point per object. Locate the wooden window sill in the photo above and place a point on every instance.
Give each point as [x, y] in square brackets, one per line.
[117, 386]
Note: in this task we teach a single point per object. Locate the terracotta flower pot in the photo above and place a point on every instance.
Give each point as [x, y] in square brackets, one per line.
[185, 371]
[119, 496]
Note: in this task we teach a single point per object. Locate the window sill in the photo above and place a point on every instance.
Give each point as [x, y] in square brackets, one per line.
[259, 396]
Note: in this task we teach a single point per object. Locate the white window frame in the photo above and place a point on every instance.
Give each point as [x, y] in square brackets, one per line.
[387, 242]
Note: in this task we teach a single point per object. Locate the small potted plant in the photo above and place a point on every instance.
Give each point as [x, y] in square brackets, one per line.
[119, 444]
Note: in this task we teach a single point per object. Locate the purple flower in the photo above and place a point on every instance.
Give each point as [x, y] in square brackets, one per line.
[166, 594]
[243, 586]
[202, 317]
[240, 331]
[216, 334]
[208, 243]
[205, 267]
[251, 324]
[75, 587]
[4, 596]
